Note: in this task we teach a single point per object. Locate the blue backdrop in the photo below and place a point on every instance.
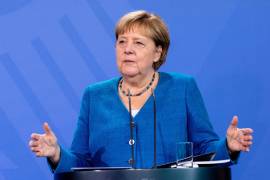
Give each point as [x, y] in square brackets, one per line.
[51, 50]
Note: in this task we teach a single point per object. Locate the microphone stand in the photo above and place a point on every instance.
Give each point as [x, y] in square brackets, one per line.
[131, 125]
[155, 129]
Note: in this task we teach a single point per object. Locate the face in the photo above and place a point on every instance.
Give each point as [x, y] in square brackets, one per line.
[136, 53]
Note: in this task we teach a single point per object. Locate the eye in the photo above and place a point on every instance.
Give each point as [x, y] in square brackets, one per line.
[139, 43]
[121, 43]
[121, 40]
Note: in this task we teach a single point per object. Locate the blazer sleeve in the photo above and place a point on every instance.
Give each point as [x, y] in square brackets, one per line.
[78, 155]
[200, 130]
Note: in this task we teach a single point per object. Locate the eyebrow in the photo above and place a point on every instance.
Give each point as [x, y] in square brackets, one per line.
[134, 38]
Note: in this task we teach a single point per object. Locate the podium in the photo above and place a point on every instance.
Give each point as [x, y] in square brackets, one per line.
[202, 173]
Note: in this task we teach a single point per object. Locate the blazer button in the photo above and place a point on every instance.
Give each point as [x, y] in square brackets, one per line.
[131, 142]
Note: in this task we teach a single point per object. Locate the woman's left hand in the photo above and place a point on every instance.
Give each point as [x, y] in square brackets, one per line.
[238, 139]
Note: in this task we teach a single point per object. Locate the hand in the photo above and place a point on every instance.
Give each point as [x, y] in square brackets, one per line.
[45, 145]
[238, 139]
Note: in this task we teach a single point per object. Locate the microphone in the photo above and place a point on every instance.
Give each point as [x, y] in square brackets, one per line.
[131, 125]
[155, 129]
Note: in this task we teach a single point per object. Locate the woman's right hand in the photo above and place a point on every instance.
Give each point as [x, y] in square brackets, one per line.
[45, 145]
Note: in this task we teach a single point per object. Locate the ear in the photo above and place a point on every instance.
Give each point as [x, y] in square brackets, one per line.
[158, 52]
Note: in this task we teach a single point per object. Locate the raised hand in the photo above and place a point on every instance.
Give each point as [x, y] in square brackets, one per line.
[45, 145]
[238, 139]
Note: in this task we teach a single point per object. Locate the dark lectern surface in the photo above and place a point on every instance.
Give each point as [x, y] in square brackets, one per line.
[202, 173]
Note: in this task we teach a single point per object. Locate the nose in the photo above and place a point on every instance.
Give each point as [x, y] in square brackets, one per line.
[129, 48]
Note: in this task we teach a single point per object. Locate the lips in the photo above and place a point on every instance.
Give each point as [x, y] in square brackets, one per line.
[128, 61]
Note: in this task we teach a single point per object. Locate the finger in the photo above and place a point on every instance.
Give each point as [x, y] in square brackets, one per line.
[234, 122]
[33, 143]
[246, 130]
[246, 138]
[35, 136]
[246, 143]
[245, 148]
[35, 149]
[47, 128]
[242, 147]
[39, 154]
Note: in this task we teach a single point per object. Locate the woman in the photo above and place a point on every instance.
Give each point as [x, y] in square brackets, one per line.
[102, 137]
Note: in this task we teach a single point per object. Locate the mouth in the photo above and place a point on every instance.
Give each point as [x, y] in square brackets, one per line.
[128, 61]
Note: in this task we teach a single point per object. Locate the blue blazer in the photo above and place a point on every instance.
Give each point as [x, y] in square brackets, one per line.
[102, 134]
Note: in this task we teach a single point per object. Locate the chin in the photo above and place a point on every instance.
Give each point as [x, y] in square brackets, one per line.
[130, 73]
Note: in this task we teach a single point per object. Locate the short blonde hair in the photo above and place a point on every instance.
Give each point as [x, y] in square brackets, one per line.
[153, 27]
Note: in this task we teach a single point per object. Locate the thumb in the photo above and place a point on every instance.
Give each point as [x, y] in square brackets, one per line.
[234, 122]
[47, 129]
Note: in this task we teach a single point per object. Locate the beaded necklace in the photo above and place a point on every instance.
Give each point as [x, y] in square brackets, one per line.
[139, 93]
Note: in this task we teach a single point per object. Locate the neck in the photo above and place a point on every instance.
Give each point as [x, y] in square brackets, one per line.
[137, 82]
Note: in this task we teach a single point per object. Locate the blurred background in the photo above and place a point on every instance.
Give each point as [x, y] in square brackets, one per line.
[51, 50]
